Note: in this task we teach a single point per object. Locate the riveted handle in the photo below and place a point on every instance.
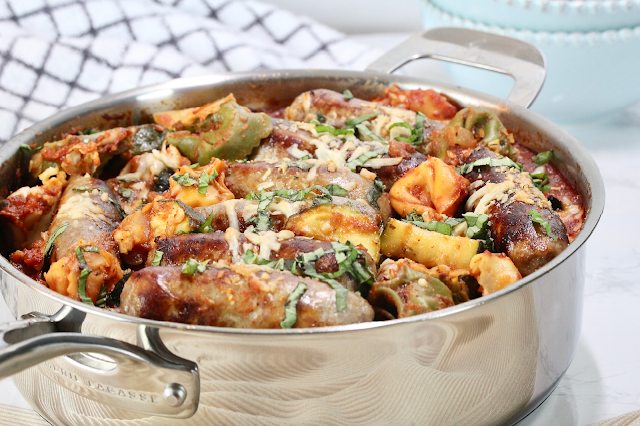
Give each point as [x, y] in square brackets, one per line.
[145, 378]
[505, 55]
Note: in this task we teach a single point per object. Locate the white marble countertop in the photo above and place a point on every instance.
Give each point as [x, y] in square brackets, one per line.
[604, 379]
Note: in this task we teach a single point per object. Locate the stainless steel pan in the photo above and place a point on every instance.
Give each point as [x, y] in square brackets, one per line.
[488, 361]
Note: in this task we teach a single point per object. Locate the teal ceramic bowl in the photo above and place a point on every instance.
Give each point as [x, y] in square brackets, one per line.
[547, 15]
[589, 74]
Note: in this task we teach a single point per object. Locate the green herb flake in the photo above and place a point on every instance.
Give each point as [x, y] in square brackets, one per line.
[320, 128]
[249, 257]
[82, 286]
[101, 301]
[290, 307]
[419, 129]
[127, 193]
[541, 181]
[477, 225]
[347, 94]
[51, 241]
[353, 122]
[365, 132]
[321, 117]
[491, 162]
[375, 192]
[184, 180]
[336, 190]
[157, 258]
[542, 158]
[537, 218]
[192, 266]
[203, 183]
[30, 150]
[359, 162]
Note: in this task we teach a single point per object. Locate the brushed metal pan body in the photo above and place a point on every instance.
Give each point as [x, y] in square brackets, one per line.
[485, 362]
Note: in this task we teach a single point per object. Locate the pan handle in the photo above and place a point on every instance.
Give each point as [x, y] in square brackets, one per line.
[146, 378]
[520, 60]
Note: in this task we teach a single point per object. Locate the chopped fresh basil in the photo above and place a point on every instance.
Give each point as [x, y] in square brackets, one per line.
[439, 227]
[541, 181]
[101, 301]
[205, 227]
[194, 165]
[203, 183]
[491, 162]
[321, 117]
[249, 257]
[82, 286]
[192, 266]
[262, 222]
[414, 216]
[347, 94]
[30, 150]
[80, 189]
[359, 162]
[84, 273]
[320, 128]
[400, 124]
[353, 122]
[251, 196]
[290, 311]
[336, 190]
[126, 193]
[300, 163]
[375, 192]
[50, 242]
[87, 131]
[157, 258]
[477, 225]
[184, 180]
[363, 131]
[542, 158]
[419, 129]
[537, 218]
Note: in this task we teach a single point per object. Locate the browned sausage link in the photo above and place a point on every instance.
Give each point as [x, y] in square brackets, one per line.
[87, 215]
[179, 249]
[247, 177]
[512, 228]
[284, 135]
[86, 206]
[240, 296]
[337, 110]
[410, 160]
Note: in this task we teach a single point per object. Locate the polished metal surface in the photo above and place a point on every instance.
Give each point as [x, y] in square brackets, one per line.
[488, 361]
[515, 58]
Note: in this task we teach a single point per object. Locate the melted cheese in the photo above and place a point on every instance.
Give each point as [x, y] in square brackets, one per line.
[231, 236]
[230, 209]
[154, 162]
[268, 241]
[79, 206]
[376, 163]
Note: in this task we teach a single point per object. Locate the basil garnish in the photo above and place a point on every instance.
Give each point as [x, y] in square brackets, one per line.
[375, 192]
[290, 311]
[320, 128]
[359, 162]
[30, 150]
[50, 242]
[126, 193]
[541, 181]
[184, 180]
[84, 273]
[353, 122]
[491, 162]
[192, 266]
[542, 158]
[537, 218]
[347, 94]
[363, 131]
[157, 258]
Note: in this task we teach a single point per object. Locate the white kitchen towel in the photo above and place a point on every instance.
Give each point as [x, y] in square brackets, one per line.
[59, 53]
